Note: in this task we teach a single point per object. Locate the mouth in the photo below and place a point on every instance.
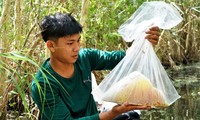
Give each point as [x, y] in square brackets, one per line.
[75, 56]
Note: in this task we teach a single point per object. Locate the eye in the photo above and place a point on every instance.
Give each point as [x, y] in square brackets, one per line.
[70, 43]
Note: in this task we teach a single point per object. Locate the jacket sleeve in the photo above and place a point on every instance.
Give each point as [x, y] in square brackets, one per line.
[51, 105]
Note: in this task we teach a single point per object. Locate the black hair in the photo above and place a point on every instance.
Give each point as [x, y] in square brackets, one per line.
[59, 25]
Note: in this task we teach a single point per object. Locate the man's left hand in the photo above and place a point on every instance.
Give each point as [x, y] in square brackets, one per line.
[153, 34]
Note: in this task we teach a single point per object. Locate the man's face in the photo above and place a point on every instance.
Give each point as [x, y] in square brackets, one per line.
[67, 49]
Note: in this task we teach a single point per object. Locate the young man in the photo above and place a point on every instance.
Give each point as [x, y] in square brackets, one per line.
[62, 87]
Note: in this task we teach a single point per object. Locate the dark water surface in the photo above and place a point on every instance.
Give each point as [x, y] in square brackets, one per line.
[187, 82]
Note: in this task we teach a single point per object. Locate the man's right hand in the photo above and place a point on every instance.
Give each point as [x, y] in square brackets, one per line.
[119, 109]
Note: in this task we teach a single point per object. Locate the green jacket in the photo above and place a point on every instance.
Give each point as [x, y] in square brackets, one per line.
[61, 98]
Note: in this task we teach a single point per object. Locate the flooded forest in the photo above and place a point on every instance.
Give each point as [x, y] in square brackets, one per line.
[22, 50]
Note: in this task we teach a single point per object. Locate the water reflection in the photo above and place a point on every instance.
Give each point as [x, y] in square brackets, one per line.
[187, 83]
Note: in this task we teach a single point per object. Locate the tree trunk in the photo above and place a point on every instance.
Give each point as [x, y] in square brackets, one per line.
[17, 22]
[3, 40]
[5, 13]
[84, 13]
[4, 19]
[187, 41]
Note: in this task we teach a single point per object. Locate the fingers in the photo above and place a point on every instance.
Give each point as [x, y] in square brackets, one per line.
[125, 107]
[153, 32]
[154, 28]
[153, 38]
[128, 106]
[153, 41]
[153, 35]
[138, 107]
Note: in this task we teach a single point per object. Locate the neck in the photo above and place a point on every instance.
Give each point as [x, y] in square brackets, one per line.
[63, 69]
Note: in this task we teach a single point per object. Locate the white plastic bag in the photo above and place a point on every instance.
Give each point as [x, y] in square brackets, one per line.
[141, 56]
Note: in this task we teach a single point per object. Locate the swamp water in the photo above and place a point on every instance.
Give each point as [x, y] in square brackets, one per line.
[187, 83]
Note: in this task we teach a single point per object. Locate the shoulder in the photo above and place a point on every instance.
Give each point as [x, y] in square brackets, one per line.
[44, 75]
[88, 51]
[84, 52]
[91, 53]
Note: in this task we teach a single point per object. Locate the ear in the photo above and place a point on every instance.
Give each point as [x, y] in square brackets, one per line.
[50, 45]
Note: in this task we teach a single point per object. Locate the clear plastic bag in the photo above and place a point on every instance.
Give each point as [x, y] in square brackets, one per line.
[141, 61]
[156, 13]
[135, 89]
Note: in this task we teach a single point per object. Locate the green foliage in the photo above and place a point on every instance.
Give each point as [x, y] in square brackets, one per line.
[16, 74]
[103, 21]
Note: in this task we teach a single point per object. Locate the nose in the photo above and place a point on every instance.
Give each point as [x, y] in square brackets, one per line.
[76, 47]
